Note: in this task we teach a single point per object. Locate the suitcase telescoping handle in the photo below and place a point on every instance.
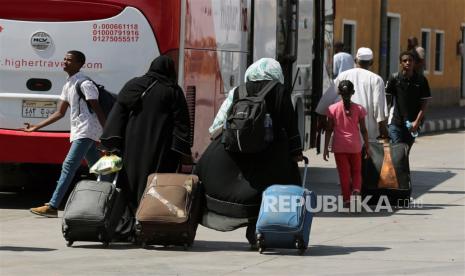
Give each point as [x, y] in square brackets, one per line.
[305, 171]
[114, 179]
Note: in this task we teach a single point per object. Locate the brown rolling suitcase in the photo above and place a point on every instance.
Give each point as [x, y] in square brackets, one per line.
[169, 210]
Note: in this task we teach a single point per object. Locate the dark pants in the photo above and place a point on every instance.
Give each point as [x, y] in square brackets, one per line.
[400, 134]
[250, 231]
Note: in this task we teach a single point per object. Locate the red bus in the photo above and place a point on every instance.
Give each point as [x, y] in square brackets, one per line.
[212, 42]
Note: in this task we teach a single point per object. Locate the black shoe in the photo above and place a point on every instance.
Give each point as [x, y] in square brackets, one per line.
[251, 236]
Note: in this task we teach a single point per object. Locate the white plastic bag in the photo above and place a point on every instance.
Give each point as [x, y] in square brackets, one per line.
[107, 164]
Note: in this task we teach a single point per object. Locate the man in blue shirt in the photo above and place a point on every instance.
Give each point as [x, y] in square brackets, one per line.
[342, 61]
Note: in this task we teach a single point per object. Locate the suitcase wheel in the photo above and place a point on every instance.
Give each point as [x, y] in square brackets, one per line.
[69, 243]
[143, 244]
[186, 246]
[140, 241]
[138, 229]
[106, 244]
[299, 244]
[260, 243]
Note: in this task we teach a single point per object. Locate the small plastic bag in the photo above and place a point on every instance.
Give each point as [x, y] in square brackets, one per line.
[107, 164]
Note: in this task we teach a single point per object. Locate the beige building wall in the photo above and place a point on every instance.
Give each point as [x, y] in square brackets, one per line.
[366, 14]
[446, 16]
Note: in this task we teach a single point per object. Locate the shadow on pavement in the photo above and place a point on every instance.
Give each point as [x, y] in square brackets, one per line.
[31, 185]
[209, 246]
[198, 246]
[111, 246]
[424, 181]
[447, 192]
[22, 248]
[354, 215]
[418, 210]
[33, 196]
[324, 181]
[325, 250]
[23, 199]
[331, 250]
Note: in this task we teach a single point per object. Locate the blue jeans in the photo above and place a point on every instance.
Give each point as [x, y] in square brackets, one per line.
[401, 134]
[80, 149]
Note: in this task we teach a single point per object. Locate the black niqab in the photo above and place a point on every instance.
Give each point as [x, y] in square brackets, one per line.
[152, 132]
[161, 69]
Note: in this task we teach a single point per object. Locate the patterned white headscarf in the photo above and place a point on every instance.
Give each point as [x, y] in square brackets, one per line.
[262, 69]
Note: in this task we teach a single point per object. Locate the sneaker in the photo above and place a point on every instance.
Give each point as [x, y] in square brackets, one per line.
[45, 211]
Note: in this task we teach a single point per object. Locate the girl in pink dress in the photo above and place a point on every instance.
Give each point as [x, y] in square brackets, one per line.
[347, 120]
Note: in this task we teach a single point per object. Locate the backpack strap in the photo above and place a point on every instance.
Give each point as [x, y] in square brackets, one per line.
[278, 107]
[397, 77]
[141, 97]
[266, 89]
[81, 95]
[148, 89]
[242, 90]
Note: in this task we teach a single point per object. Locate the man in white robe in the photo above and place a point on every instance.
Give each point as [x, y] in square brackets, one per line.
[369, 92]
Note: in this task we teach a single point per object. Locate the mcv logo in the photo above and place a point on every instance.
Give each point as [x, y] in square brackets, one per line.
[41, 40]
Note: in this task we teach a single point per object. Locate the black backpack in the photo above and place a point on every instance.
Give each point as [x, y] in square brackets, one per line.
[105, 99]
[244, 129]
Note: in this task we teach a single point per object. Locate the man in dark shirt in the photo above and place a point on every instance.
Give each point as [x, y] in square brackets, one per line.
[407, 93]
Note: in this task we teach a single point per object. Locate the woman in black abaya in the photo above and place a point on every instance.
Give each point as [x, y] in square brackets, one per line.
[151, 128]
[233, 182]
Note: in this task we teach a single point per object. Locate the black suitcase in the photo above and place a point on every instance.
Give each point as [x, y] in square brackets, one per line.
[387, 173]
[92, 212]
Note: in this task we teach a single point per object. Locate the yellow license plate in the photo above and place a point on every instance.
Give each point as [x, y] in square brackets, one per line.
[38, 109]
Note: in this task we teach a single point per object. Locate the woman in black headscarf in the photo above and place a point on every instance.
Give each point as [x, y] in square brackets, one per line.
[150, 126]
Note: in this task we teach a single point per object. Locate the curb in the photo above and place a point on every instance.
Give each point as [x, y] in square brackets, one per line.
[442, 125]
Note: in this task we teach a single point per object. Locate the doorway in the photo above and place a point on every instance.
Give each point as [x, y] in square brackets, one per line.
[393, 44]
[462, 70]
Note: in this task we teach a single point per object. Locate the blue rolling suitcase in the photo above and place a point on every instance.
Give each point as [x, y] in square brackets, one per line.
[285, 216]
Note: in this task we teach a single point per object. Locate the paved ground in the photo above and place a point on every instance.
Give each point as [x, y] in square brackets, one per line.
[427, 240]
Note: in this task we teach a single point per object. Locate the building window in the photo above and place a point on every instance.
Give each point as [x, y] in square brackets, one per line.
[439, 52]
[348, 36]
[425, 43]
